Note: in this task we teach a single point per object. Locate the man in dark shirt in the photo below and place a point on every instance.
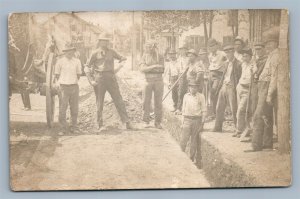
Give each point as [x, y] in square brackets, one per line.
[152, 65]
[227, 94]
[101, 64]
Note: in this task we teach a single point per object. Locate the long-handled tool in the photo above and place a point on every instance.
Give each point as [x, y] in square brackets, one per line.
[175, 83]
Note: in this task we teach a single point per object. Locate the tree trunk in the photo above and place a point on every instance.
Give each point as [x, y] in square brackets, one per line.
[210, 23]
[283, 88]
[205, 28]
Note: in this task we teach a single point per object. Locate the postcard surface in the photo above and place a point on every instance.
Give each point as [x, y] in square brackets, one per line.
[149, 99]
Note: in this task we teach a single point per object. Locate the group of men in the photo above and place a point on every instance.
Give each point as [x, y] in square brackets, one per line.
[233, 76]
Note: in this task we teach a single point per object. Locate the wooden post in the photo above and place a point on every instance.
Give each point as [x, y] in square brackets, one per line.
[283, 88]
[133, 44]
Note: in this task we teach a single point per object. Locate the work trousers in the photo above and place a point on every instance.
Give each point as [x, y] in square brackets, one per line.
[262, 136]
[26, 98]
[156, 88]
[182, 90]
[215, 78]
[227, 96]
[174, 91]
[242, 98]
[190, 130]
[69, 95]
[106, 81]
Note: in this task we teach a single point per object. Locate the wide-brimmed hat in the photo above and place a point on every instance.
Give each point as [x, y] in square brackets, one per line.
[193, 82]
[212, 42]
[183, 47]
[69, 47]
[272, 37]
[192, 51]
[172, 52]
[227, 47]
[259, 45]
[104, 37]
[202, 51]
[247, 50]
[239, 38]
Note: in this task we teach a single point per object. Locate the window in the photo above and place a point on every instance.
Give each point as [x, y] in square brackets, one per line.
[196, 42]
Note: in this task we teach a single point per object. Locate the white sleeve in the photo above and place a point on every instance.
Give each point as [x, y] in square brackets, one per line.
[78, 67]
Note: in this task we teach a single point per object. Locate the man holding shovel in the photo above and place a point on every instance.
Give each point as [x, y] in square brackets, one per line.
[102, 64]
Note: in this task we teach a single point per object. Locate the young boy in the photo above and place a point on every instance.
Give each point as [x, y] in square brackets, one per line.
[193, 112]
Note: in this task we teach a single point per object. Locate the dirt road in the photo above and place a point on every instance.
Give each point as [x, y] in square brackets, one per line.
[112, 159]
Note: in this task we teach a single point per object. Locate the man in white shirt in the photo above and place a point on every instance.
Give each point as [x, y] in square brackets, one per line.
[194, 113]
[243, 88]
[217, 61]
[67, 74]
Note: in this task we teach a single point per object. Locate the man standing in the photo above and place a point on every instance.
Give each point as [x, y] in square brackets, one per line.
[101, 63]
[217, 61]
[172, 71]
[243, 88]
[261, 58]
[262, 137]
[227, 93]
[152, 65]
[67, 74]
[194, 113]
[182, 83]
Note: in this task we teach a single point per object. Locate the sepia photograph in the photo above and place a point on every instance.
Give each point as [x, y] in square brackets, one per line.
[165, 99]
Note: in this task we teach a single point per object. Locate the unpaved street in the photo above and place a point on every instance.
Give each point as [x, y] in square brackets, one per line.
[112, 159]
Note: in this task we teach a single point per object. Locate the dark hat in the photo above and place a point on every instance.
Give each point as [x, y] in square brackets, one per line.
[274, 36]
[172, 52]
[69, 47]
[192, 51]
[212, 42]
[248, 51]
[259, 44]
[239, 38]
[227, 47]
[202, 51]
[193, 82]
